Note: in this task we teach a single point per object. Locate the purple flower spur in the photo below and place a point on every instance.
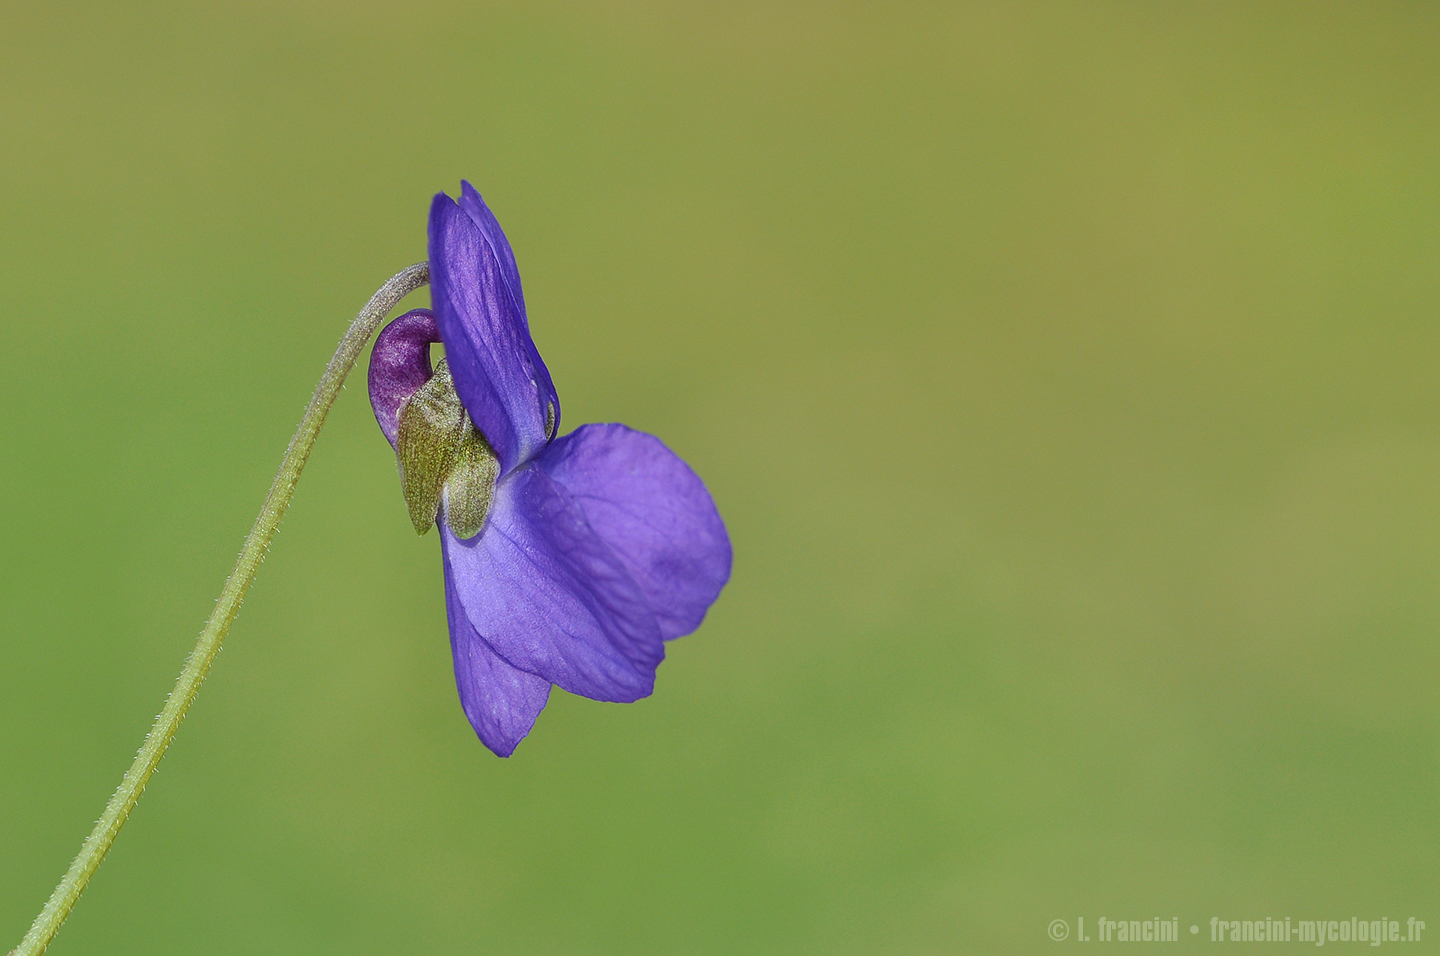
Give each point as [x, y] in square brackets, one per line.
[568, 560]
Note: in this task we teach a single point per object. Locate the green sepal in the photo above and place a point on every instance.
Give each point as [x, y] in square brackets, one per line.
[443, 456]
[470, 489]
[432, 426]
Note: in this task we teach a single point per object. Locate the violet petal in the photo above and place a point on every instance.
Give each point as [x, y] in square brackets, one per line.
[498, 373]
[481, 215]
[489, 227]
[551, 597]
[653, 511]
[501, 701]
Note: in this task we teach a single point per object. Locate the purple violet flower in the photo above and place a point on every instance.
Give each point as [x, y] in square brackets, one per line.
[568, 560]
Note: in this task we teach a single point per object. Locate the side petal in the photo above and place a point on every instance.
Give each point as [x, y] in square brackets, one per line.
[551, 597]
[498, 373]
[501, 701]
[653, 511]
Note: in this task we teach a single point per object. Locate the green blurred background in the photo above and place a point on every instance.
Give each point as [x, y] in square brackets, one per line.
[1066, 373]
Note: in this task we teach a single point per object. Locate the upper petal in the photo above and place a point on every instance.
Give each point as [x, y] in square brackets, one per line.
[489, 227]
[481, 215]
[498, 373]
[501, 701]
[551, 597]
[653, 511]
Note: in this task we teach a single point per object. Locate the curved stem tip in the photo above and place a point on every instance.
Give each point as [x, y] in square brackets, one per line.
[198, 665]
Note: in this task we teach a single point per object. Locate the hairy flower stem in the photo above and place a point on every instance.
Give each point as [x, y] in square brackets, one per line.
[198, 664]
